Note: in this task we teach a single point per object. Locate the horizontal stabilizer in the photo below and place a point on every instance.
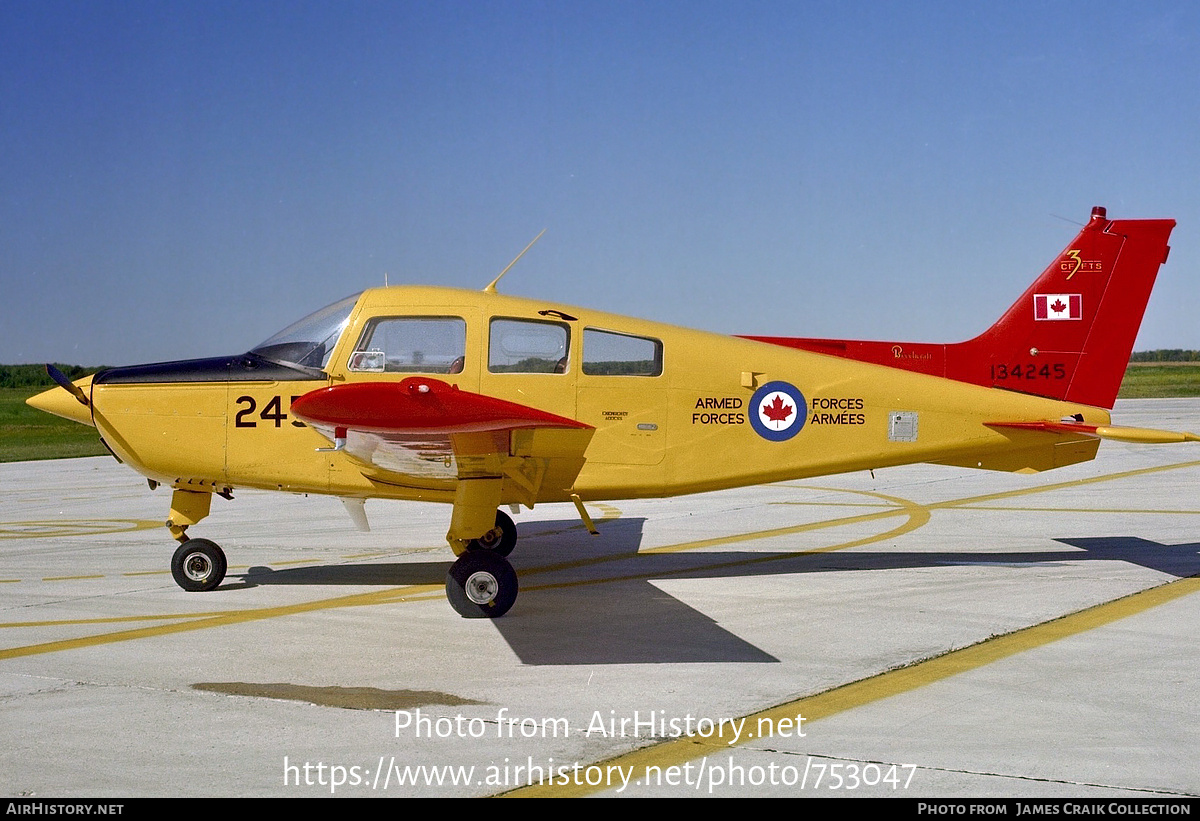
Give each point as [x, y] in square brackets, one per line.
[1119, 433]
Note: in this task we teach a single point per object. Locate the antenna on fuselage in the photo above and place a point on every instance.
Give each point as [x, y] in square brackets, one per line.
[491, 286]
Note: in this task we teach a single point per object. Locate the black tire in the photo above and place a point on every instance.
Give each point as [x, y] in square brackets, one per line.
[481, 585]
[499, 541]
[198, 565]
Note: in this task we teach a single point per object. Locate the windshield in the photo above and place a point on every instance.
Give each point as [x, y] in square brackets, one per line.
[310, 341]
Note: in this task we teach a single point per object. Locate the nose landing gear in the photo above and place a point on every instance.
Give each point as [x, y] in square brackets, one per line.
[198, 565]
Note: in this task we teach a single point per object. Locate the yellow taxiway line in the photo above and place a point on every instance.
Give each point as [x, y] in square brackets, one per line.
[814, 707]
[676, 752]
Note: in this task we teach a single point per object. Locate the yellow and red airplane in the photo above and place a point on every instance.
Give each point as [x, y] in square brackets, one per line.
[482, 401]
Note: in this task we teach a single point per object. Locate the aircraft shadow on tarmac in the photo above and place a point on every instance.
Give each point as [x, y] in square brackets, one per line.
[591, 601]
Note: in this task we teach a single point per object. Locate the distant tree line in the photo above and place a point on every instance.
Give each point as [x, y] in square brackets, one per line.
[35, 376]
[1165, 355]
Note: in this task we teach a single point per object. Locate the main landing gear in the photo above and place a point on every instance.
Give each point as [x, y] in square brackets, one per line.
[481, 584]
[500, 540]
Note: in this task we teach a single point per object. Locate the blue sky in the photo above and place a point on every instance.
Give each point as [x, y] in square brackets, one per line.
[183, 179]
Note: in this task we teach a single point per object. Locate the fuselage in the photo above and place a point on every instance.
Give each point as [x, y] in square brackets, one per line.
[674, 410]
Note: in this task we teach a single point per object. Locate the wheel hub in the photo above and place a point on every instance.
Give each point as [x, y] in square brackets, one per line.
[197, 567]
[481, 587]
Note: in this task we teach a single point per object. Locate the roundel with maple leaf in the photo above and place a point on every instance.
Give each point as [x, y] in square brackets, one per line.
[778, 411]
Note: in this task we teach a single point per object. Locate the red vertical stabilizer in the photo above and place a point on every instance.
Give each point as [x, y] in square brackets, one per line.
[1069, 335]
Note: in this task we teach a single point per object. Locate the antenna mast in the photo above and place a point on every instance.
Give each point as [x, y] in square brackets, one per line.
[491, 286]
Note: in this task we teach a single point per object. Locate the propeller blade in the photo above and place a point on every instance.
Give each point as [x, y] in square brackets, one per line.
[61, 379]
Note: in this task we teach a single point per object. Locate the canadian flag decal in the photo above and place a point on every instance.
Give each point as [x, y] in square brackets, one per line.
[1057, 306]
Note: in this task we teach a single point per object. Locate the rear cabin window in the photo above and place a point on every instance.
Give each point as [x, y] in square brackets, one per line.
[408, 344]
[527, 346]
[607, 353]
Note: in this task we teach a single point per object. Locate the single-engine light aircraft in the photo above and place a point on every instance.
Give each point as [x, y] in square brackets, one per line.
[485, 401]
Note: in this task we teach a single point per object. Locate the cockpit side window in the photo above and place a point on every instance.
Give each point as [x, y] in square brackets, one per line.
[528, 346]
[608, 353]
[411, 344]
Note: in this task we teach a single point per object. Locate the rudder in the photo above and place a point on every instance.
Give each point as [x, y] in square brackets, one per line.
[1069, 336]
